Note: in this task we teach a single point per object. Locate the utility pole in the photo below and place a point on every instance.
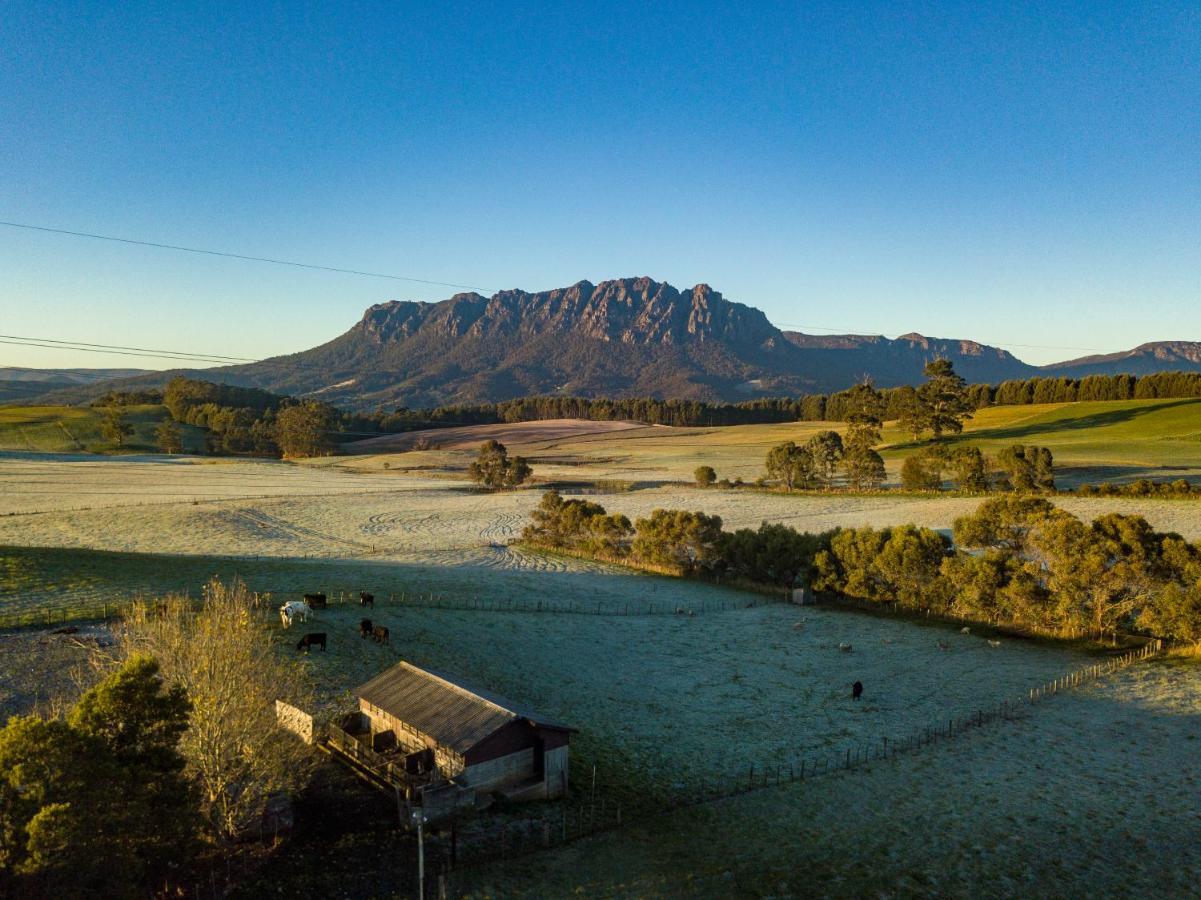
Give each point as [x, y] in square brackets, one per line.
[419, 821]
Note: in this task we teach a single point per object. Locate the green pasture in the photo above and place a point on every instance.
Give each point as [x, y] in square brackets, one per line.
[1114, 440]
[76, 429]
[1153, 434]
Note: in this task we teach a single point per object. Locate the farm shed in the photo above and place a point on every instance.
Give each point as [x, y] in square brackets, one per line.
[481, 741]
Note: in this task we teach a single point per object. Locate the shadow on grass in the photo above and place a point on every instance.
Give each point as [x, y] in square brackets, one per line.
[1103, 419]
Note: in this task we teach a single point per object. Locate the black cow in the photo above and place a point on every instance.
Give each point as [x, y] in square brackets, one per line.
[366, 599]
[315, 639]
[856, 690]
[365, 629]
[379, 634]
[316, 601]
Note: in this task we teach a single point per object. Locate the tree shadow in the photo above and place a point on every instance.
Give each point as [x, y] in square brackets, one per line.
[1102, 419]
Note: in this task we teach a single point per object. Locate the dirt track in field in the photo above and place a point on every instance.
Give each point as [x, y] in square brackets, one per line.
[471, 436]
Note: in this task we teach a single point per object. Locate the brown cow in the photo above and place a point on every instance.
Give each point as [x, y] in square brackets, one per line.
[379, 634]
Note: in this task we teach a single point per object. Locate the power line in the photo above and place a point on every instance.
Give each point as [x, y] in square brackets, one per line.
[409, 278]
[167, 355]
[78, 344]
[242, 256]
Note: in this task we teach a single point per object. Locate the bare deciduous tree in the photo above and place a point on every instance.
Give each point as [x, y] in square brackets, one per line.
[221, 652]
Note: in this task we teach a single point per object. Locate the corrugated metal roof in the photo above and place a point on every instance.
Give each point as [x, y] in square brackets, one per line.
[453, 714]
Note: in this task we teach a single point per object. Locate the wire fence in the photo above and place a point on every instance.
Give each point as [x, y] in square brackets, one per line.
[758, 776]
[432, 600]
[110, 611]
[595, 812]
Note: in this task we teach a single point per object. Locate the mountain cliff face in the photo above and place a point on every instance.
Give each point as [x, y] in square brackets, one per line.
[900, 361]
[631, 336]
[619, 338]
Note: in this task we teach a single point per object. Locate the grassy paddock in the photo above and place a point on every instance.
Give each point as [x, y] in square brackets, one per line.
[76, 429]
[1092, 441]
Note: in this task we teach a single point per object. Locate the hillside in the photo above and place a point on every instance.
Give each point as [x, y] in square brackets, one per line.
[18, 383]
[58, 429]
[895, 362]
[1159, 356]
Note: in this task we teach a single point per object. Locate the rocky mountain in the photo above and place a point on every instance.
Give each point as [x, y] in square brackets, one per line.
[625, 337]
[1158, 356]
[894, 362]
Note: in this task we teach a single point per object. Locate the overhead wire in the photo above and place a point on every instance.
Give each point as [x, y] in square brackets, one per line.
[242, 256]
[360, 272]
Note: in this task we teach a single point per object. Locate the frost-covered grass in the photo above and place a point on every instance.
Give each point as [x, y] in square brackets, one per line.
[1091, 794]
[57, 579]
[668, 704]
[279, 509]
[664, 704]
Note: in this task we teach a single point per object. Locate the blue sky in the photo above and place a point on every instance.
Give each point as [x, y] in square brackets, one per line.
[1020, 175]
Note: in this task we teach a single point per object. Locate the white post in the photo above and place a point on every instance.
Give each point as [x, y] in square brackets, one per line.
[420, 859]
[419, 818]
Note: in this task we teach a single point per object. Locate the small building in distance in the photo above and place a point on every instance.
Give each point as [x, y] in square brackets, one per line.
[480, 741]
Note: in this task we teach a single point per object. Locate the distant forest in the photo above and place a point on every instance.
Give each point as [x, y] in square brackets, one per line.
[806, 408]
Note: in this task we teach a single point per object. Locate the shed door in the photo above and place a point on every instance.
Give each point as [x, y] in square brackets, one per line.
[539, 756]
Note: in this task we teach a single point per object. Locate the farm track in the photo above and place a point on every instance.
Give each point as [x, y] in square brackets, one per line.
[276, 527]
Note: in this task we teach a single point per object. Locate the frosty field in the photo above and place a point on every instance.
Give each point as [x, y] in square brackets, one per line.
[667, 705]
[1091, 794]
[337, 509]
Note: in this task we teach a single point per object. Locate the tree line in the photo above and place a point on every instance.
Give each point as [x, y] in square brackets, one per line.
[1018, 561]
[897, 403]
[241, 420]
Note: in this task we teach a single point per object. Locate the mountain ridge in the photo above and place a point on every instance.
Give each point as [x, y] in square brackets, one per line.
[618, 338]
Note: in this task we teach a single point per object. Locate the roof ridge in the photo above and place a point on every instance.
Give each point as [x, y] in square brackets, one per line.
[461, 689]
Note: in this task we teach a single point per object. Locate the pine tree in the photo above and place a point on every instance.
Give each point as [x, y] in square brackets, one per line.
[943, 400]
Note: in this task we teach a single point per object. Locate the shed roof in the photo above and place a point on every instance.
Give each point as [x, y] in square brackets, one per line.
[454, 715]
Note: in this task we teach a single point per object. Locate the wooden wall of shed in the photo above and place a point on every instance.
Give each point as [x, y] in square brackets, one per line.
[554, 737]
[516, 735]
[500, 771]
[449, 763]
[554, 776]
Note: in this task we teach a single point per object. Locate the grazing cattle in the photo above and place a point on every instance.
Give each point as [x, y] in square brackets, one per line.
[379, 634]
[856, 690]
[316, 601]
[366, 599]
[845, 648]
[293, 610]
[994, 643]
[965, 630]
[365, 628]
[314, 639]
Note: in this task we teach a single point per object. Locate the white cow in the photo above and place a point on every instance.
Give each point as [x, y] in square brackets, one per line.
[293, 610]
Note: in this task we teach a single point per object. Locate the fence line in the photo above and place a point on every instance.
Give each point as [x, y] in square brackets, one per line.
[850, 757]
[758, 777]
[415, 600]
[432, 600]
